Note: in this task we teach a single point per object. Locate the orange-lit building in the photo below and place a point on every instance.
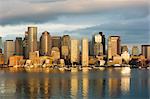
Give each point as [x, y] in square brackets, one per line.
[15, 60]
[1, 59]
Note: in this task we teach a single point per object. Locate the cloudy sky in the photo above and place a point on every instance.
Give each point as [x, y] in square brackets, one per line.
[80, 18]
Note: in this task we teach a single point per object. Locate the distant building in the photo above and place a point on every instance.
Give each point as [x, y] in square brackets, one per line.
[55, 53]
[146, 51]
[19, 46]
[56, 41]
[124, 48]
[1, 44]
[117, 59]
[32, 39]
[135, 51]
[75, 51]
[65, 47]
[114, 47]
[9, 50]
[125, 56]
[99, 44]
[85, 51]
[0, 50]
[25, 46]
[45, 44]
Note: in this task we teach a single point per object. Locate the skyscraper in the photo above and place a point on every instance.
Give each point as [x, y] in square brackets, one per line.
[124, 48]
[45, 43]
[9, 50]
[99, 44]
[32, 39]
[146, 51]
[1, 42]
[135, 51]
[113, 46]
[56, 41]
[75, 51]
[65, 47]
[85, 51]
[18, 46]
[25, 46]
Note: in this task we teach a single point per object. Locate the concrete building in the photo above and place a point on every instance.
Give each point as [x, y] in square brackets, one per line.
[18, 46]
[32, 39]
[56, 41]
[117, 59]
[126, 57]
[99, 44]
[15, 60]
[124, 48]
[65, 47]
[114, 47]
[75, 51]
[146, 51]
[25, 46]
[135, 51]
[9, 50]
[45, 44]
[55, 53]
[1, 44]
[85, 52]
[1, 59]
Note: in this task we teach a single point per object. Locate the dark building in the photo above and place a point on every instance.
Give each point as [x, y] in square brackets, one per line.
[19, 46]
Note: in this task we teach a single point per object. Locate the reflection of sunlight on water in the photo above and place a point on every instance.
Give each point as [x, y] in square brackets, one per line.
[125, 71]
[125, 84]
[74, 86]
[85, 85]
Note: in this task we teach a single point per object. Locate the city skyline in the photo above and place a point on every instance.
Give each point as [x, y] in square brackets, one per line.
[78, 18]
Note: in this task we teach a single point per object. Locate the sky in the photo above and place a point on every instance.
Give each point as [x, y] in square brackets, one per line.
[129, 19]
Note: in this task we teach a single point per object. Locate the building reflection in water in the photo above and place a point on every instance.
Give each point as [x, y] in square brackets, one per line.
[109, 83]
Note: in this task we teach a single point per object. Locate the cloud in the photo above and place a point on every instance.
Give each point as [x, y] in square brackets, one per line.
[42, 11]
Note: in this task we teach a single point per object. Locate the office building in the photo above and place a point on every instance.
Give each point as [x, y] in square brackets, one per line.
[32, 39]
[1, 44]
[85, 52]
[45, 44]
[146, 51]
[18, 46]
[9, 50]
[113, 46]
[124, 48]
[135, 51]
[1, 59]
[65, 47]
[25, 46]
[56, 41]
[75, 51]
[99, 44]
[55, 53]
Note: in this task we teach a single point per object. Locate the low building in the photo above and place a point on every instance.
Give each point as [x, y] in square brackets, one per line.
[15, 60]
[1, 59]
[117, 59]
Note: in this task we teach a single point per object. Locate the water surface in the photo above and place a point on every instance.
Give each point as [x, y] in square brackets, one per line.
[121, 83]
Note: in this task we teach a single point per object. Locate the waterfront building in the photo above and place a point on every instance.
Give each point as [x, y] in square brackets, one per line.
[56, 41]
[124, 48]
[45, 44]
[55, 53]
[15, 60]
[1, 59]
[9, 50]
[32, 39]
[117, 59]
[1, 44]
[34, 57]
[25, 46]
[0, 50]
[18, 46]
[99, 44]
[146, 51]
[75, 51]
[126, 57]
[65, 47]
[135, 51]
[113, 46]
[85, 51]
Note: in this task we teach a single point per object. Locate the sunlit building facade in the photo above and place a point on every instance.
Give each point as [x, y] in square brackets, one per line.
[85, 55]
[18, 46]
[146, 51]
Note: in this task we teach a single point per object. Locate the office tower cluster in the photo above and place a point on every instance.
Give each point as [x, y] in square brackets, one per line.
[69, 51]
